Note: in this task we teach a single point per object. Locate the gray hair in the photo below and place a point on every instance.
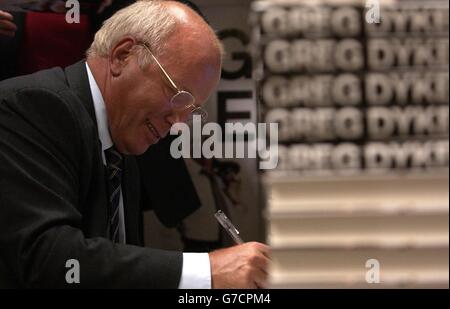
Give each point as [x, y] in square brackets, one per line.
[147, 21]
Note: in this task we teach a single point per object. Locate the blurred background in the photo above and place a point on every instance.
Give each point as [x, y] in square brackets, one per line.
[360, 196]
[359, 89]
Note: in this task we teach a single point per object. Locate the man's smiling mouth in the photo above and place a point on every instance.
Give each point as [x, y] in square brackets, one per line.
[153, 130]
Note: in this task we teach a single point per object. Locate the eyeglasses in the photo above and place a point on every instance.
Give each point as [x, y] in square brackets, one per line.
[182, 100]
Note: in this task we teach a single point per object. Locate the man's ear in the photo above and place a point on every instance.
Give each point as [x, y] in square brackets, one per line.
[119, 55]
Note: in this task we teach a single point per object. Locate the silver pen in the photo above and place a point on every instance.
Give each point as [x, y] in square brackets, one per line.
[228, 226]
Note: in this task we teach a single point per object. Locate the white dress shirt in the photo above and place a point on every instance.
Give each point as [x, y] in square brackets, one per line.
[196, 271]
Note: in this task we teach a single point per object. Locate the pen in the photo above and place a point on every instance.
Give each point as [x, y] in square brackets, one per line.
[228, 226]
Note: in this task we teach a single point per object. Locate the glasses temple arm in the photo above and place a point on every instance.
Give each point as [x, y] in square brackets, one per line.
[164, 71]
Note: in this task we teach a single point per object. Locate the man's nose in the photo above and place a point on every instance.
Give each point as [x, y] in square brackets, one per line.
[177, 116]
[172, 118]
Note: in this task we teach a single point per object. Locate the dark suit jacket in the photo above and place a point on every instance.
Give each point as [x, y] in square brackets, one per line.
[53, 203]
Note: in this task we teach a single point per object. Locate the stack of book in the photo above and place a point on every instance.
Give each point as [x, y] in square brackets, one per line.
[358, 231]
[359, 90]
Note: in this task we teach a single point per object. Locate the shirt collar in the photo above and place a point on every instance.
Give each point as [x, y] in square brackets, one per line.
[100, 113]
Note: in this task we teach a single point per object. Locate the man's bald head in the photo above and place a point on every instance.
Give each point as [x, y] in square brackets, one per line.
[155, 22]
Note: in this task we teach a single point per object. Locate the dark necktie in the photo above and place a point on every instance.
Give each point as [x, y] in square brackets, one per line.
[114, 174]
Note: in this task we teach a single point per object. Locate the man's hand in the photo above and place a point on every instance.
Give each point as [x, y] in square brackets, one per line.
[242, 266]
[104, 5]
[7, 26]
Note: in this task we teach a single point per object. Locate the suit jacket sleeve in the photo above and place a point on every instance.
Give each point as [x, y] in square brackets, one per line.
[40, 208]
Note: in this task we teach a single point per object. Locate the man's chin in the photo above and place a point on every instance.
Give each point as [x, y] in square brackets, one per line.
[135, 146]
[133, 149]
[140, 150]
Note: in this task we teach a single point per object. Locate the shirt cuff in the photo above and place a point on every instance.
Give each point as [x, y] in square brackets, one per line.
[196, 271]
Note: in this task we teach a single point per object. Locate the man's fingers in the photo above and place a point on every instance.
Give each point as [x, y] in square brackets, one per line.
[7, 33]
[7, 25]
[260, 278]
[5, 16]
[104, 5]
[264, 249]
[243, 266]
[261, 262]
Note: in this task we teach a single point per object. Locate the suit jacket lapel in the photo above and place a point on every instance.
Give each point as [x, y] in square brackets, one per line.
[95, 219]
[78, 80]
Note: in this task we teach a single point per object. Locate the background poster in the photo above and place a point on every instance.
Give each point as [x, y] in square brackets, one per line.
[234, 101]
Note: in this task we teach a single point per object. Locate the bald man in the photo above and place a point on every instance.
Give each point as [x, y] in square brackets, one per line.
[69, 183]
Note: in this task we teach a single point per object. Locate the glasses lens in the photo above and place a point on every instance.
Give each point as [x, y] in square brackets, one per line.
[182, 99]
